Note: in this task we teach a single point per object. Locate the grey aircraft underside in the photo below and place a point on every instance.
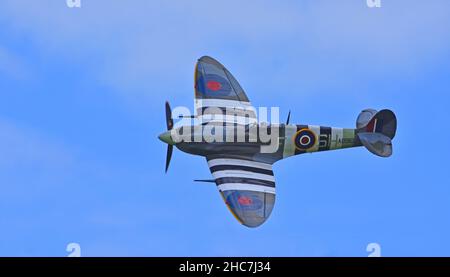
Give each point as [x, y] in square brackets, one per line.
[242, 165]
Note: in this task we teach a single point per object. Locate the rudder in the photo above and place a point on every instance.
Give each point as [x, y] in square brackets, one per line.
[383, 122]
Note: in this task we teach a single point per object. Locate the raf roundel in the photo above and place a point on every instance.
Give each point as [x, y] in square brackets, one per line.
[304, 139]
[243, 200]
[213, 85]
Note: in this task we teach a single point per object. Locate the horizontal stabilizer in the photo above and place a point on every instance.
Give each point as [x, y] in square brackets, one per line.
[377, 143]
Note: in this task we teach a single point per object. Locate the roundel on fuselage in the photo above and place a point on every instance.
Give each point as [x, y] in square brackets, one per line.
[304, 139]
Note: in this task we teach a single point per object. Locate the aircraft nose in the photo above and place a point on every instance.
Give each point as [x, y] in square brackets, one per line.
[166, 138]
[251, 208]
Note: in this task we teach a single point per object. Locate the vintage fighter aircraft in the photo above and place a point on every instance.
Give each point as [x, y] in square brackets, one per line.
[242, 172]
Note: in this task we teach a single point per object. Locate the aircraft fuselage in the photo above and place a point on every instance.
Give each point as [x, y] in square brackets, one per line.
[278, 142]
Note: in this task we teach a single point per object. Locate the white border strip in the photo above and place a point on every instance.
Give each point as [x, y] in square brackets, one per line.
[223, 103]
[242, 174]
[225, 161]
[238, 186]
[227, 118]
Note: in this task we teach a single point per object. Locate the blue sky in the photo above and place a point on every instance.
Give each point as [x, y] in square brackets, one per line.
[82, 96]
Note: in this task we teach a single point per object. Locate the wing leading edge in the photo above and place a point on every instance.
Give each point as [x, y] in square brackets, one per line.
[247, 187]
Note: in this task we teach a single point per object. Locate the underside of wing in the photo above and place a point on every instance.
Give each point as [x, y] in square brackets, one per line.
[218, 96]
[247, 187]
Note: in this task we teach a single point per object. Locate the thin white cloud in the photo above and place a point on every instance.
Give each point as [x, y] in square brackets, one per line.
[135, 46]
[12, 66]
[22, 147]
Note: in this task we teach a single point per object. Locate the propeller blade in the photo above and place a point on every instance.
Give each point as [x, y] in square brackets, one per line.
[169, 120]
[168, 156]
[288, 118]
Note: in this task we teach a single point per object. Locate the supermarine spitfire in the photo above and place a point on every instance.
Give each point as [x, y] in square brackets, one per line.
[241, 163]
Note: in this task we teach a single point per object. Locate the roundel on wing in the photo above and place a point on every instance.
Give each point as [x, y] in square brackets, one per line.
[304, 139]
[244, 200]
[251, 208]
[214, 85]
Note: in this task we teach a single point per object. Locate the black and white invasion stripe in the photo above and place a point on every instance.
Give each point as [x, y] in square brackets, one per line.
[240, 174]
[229, 111]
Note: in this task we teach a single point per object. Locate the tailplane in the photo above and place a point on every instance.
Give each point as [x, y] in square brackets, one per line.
[376, 130]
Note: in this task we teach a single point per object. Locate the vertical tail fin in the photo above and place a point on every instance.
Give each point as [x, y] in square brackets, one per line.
[383, 122]
[378, 133]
